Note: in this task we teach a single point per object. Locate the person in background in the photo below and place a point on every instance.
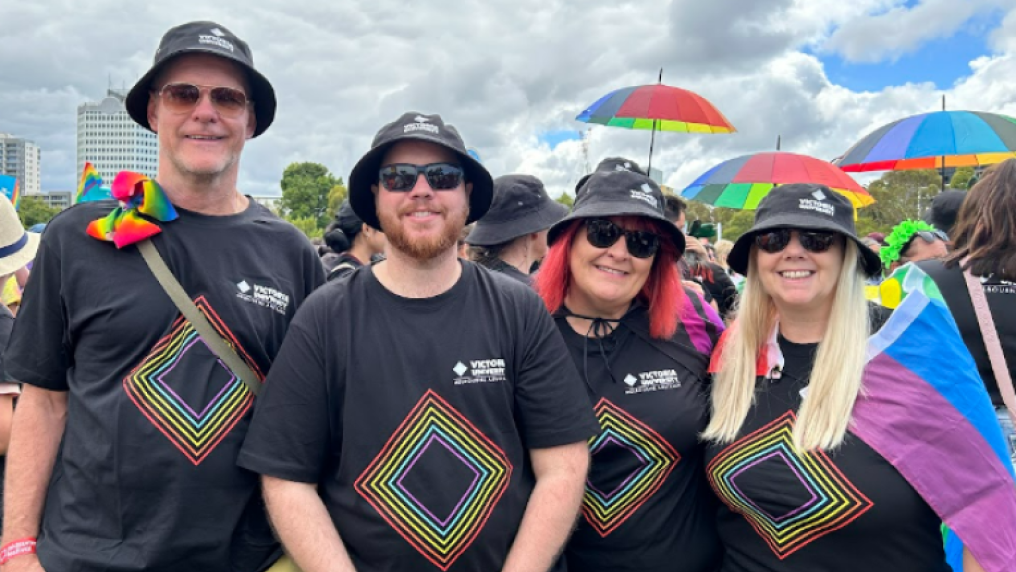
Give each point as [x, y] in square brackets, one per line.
[984, 244]
[512, 236]
[722, 252]
[642, 344]
[912, 241]
[695, 266]
[461, 246]
[354, 242]
[944, 210]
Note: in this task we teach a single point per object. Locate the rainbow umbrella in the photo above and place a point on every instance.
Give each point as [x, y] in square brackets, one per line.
[742, 182]
[656, 107]
[934, 141]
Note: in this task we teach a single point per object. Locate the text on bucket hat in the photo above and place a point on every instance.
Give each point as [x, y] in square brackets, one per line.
[609, 165]
[17, 246]
[416, 127]
[521, 206]
[619, 193]
[802, 206]
[208, 38]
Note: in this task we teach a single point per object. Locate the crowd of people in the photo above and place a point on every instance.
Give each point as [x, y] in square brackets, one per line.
[469, 376]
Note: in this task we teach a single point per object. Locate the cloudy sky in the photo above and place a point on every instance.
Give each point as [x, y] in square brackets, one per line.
[513, 74]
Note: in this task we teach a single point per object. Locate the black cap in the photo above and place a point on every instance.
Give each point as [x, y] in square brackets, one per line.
[418, 127]
[207, 38]
[609, 165]
[521, 206]
[619, 193]
[802, 206]
[944, 209]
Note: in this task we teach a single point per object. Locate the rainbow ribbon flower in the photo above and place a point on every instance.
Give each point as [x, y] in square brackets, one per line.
[138, 195]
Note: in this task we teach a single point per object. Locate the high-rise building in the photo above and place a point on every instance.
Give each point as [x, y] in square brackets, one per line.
[112, 142]
[22, 159]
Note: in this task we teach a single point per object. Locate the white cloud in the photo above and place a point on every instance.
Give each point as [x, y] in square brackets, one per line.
[502, 71]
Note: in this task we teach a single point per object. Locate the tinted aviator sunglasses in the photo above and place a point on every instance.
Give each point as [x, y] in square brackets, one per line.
[776, 240]
[401, 177]
[183, 97]
[602, 233]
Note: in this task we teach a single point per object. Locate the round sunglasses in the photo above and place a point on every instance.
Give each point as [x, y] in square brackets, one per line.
[602, 233]
[401, 177]
[184, 97]
[776, 240]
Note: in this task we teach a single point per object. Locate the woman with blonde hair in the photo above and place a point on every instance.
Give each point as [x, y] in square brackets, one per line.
[799, 490]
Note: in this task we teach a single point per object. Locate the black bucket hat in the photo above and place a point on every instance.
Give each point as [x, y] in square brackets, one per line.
[521, 206]
[419, 127]
[207, 38]
[619, 193]
[609, 165]
[803, 206]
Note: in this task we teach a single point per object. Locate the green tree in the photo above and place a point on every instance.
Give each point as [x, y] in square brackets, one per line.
[900, 195]
[961, 178]
[338, 194]
[566, 200]
[34, 210]
[309, 226]
[306, 193]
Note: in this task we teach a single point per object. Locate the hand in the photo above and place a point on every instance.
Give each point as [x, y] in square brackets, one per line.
[23, 563]
[692, 244]
[694, 286]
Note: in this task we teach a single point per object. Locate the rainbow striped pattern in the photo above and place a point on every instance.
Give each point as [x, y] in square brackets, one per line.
[925, 410]
[659, 107]
[138, 195]
[432, 426]
[833, 501]
[193, 429]
[924, 141]
[90, 179]
[9, 186]
[655, 459]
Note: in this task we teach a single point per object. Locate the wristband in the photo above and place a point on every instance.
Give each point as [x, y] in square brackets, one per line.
[16, 548]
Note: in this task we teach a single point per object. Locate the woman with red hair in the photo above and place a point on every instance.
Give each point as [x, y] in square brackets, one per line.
[642, 343]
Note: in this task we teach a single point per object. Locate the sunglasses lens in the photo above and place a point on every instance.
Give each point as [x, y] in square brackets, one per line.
[443, 176]
[774, 240]
[180, 96]
[642, 244]
[398, 178]
[228, 100]
[816, 241]
[602, 233]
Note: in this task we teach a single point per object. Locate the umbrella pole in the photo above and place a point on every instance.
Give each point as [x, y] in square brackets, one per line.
[652, 141]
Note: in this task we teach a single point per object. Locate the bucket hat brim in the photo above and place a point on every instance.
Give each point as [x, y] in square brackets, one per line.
[491, 233]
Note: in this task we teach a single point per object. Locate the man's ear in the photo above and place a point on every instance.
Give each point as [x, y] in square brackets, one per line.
[153, 113]
[252, 123]
[469, 189]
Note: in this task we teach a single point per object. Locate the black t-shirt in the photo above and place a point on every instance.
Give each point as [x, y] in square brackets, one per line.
[414, 416]
[6, 325]
[1001, 296]
[510, 271]
[717, 282]
[147, 477]
[647, 507]
[344, 265]
[846, 510]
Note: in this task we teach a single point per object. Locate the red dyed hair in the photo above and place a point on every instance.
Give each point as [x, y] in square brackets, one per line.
[662, 293]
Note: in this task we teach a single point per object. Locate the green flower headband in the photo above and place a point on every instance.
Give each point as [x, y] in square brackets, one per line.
[900, 236]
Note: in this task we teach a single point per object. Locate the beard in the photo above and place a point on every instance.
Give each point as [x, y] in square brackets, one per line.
[423, 248]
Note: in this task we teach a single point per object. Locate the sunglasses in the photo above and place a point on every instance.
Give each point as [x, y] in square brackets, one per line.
[813, 241]
[602, 233]
[401, 177]
[928, 236]
[184, 97]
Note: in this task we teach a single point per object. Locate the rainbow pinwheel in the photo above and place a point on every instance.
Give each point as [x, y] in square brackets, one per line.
[138, 195]
[90, 179]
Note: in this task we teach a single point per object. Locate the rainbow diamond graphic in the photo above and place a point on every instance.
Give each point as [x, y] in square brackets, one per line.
[195, 429]
[608, 506]
[436, 431]
[827, 500]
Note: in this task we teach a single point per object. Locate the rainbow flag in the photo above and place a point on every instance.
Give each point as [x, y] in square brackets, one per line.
[925, 410]
[9, 187]
[90, 179]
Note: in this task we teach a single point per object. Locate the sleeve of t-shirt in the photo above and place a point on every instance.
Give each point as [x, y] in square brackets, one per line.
[726, 289]
[38, 353]
[289, 437]
[550, 398]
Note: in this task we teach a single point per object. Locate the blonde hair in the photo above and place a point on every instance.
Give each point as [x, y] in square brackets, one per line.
[835, 382]
[723, 248]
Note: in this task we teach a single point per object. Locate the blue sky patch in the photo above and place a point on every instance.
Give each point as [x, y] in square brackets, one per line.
[555, 138]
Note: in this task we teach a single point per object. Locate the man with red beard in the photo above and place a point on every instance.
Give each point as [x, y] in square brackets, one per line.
[423, 412]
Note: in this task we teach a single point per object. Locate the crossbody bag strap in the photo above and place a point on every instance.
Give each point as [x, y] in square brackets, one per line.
[193, 315]
[991, 341]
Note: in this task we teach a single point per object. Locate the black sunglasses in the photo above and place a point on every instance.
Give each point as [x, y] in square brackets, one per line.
[401, 177]
[928, 236]
[603, 233]
[776, 240]
[183, 97]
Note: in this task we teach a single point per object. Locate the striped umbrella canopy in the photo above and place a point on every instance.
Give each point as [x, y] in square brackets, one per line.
[742, 182]
[934, 141]
[658, 107]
